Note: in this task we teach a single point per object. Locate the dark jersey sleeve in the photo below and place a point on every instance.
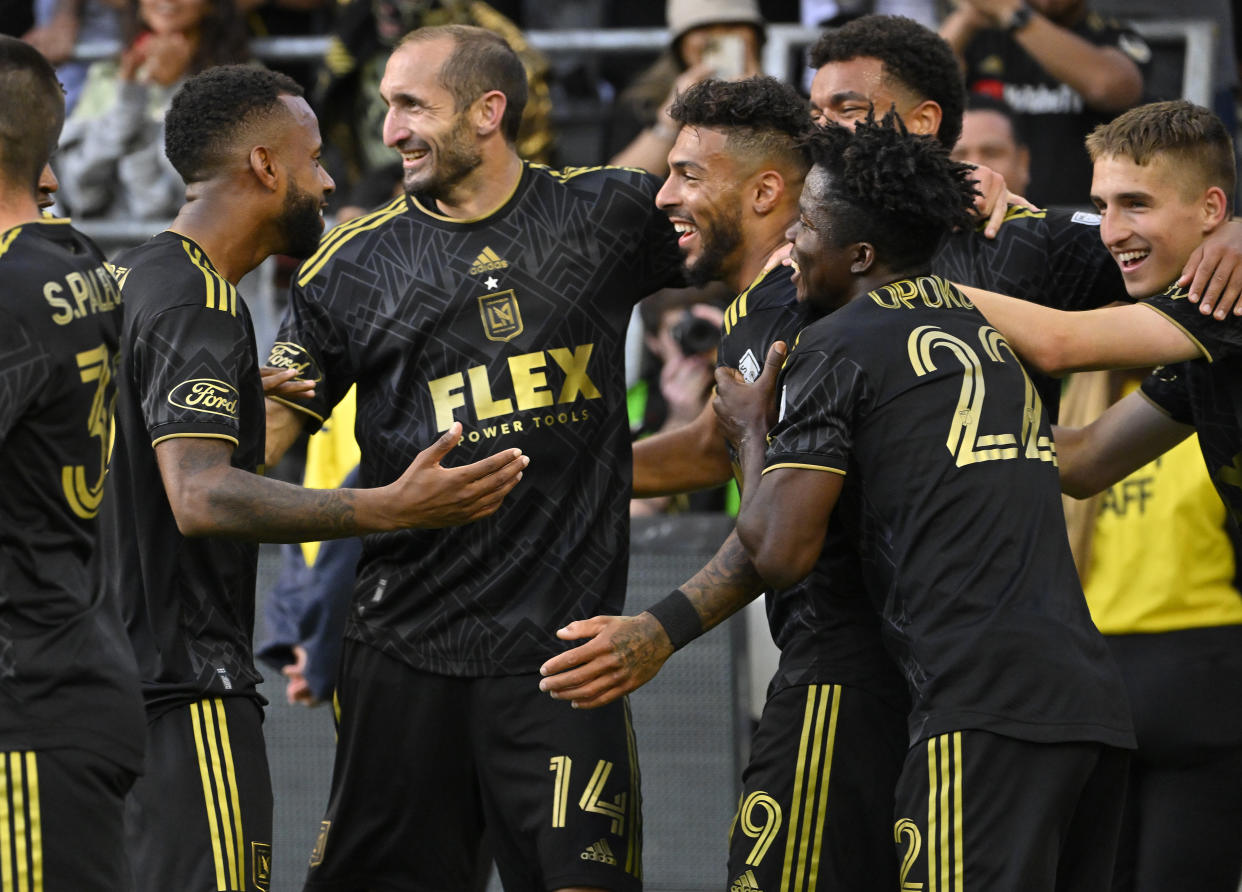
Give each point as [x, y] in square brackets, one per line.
[819, 396]
[25, 365]
[189, 362]
[1215, 339]
[1167, 388]
[308, 342]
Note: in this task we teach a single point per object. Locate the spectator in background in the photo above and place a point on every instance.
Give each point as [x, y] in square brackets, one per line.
[1159, 564]
[61, 24]
[1062, 68]
[111, 161]
[346, 90]
[681, 331]
[990, 138]
[710, 38]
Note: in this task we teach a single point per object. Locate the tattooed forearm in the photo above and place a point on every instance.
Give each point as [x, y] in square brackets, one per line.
[252, 507]
[726, 585]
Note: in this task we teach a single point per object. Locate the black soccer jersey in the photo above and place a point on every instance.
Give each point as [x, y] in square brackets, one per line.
[189, 369]
[952, 494]
[1206, 393]
[514, 325]
[1053, 258]
[825, 626]
[67, 676]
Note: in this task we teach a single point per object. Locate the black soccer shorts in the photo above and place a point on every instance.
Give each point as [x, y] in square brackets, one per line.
[425, 762]
[817, 795]
[989, 813]
[200, 819]
[61, 821]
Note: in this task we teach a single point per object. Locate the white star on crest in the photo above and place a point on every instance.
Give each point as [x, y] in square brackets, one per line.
[491, 283]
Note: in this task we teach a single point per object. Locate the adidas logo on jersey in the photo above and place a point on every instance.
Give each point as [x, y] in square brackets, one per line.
[600, 852]
[488, 261]
[745, 883]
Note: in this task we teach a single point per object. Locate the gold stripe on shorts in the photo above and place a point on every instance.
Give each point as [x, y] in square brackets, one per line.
[220, 795]
[21, 823]
[808, 807]
[945, 865]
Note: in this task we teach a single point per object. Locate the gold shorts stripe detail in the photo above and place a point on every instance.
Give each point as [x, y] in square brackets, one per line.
[809, 803]
[204, 770]
[19, 822]
[36, 823]
[634, 842]
[931, 815]
[6, 837]
[239, 839]
[822, 812]
[945, 832]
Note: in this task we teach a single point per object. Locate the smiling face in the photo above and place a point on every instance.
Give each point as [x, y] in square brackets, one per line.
[438, 144]
[823, 272]
[702, 197]
[309, 184]
[1151, 220]
[845, 92]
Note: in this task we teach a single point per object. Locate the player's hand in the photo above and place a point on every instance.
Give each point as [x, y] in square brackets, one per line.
[624, 653]
[748, 410]
[285, 383]
[779, 257]
[297, 689]
[994, 199]
[429, 496]
[1213, 274]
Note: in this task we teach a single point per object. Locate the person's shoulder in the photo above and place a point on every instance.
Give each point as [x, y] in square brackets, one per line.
[170, 270]
[599, 179]
[353, 239]
[44, 250]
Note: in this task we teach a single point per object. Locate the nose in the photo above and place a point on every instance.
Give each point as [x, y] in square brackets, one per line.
[791, 234]
[394, 131]
[667, 196]
[1113, 229]
[325, 179]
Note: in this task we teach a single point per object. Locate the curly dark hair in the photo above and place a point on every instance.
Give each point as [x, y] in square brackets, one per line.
[898, 191]
[213, 108]
[916, 57]
[761, 116]
[32, 111]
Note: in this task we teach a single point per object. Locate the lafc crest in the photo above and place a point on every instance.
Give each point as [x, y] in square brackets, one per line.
[502, 317]
[261, 859]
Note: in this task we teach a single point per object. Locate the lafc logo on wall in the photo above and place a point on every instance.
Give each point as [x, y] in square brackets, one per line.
[205, 395]
[502, 318]
[261, 859]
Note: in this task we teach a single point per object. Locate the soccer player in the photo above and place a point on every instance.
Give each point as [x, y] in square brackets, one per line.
[905, 413]
[186, 508]
[495, 294]
[735, 174]
[1163, 180]
[71, 725]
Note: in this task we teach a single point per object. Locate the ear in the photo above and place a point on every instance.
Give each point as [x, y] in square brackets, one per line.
[924, 119]
[767, 190]
[263, 166]
[488, 111]
[1215, 208]
[862, 257]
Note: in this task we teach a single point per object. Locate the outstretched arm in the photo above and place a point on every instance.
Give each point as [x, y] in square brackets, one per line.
[1058, 342]
[1130, 434]
[625, 652]
[684, 459]
[210, 497]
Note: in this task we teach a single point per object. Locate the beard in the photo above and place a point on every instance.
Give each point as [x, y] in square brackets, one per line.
[455, 158]
[720, 239]
[300, 222]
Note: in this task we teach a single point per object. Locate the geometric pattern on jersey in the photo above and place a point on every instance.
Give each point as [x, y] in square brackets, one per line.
[825, 625]
[189, 369]
[952, 493]
[514, 325]
[67, 677]
[1205, 392]
[1054, 258]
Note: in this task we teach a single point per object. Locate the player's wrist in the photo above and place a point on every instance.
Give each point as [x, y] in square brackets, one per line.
[678, 617]
[1015, 19]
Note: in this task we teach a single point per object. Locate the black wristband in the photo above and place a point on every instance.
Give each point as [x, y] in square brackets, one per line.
[678, 617]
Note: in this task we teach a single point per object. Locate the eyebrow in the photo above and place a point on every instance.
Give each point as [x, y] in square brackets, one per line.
[847, 96]
[686, 165]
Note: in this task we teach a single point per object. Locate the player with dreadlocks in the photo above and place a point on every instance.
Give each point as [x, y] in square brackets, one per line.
[907, 416]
